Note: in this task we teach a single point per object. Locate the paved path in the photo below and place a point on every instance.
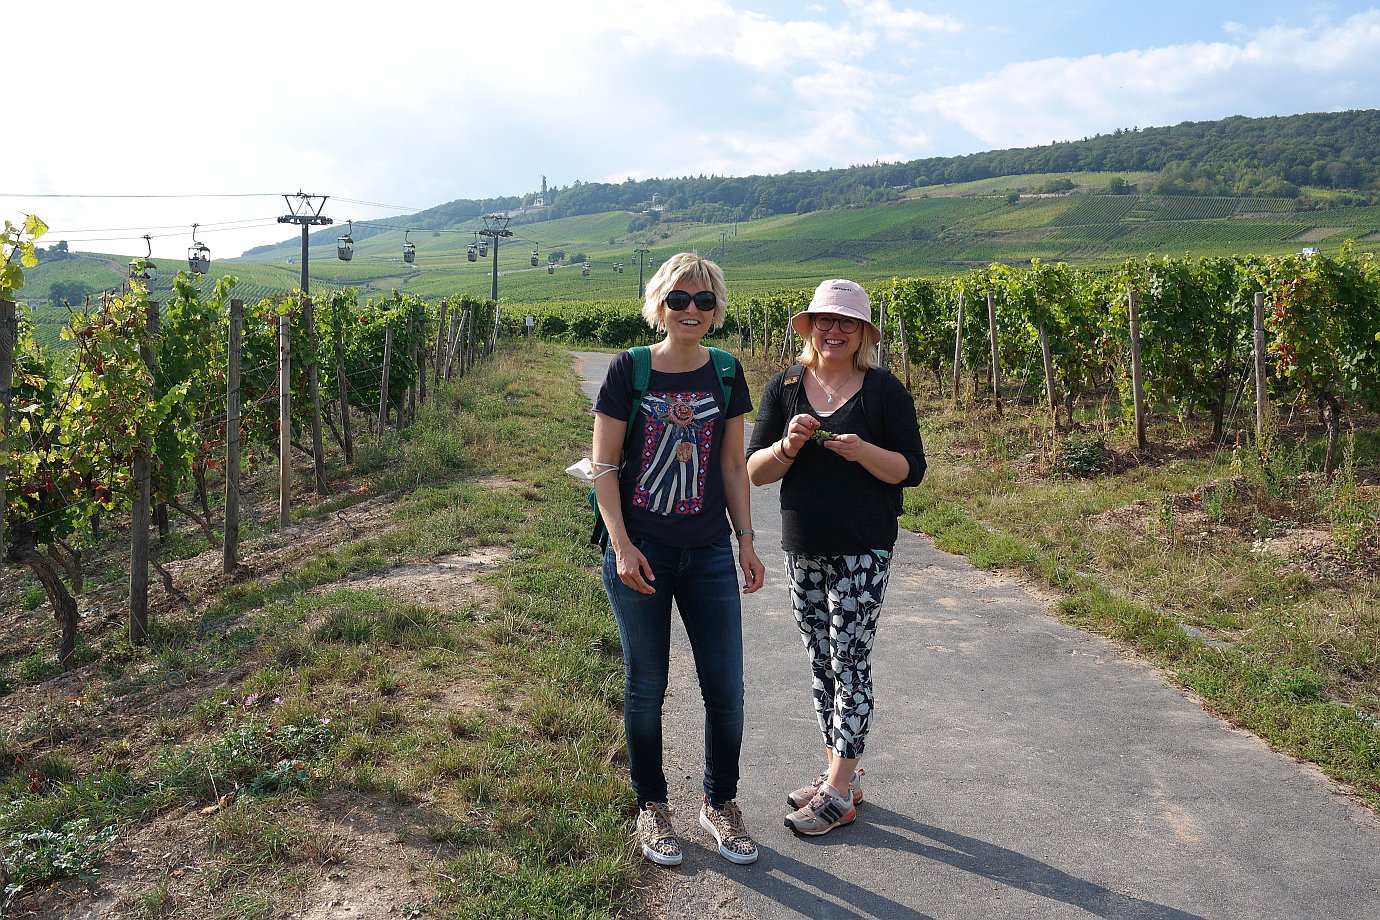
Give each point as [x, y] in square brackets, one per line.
[1017, 767]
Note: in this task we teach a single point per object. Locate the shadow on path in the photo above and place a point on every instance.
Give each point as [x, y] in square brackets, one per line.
[814, 892]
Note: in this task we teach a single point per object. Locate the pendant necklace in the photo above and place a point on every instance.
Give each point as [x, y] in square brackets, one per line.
[828, 392]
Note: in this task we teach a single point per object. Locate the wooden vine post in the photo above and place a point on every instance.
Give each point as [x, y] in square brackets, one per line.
[1137, 370]
[230, 551]
[452, 343]
[160, 510]
[905, 346]
[1049, 376]
[463, 349]
[464, 341]
[284, 419]
[436, 363]
[9, 334]
[883, 343]
[342, 385]
[412, 356]
[318, 454]
[958, 348]
[383, 383]
[160, 518]
[996, 354]
[467, 340]
[787, 336]
[1260, 398]
[141, 513]
[423, 354]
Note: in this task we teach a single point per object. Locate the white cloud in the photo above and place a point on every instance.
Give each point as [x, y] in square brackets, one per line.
[421, 103]
[880, 14]
[837, 85]
[1034, 102]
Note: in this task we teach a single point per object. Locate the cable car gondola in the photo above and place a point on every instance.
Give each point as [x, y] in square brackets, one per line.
[584, 269]
[483, 247]
[472, 253]
[409, 249]
[345, 245]
[534, 258]
[198, 255]
[144, 269]
[551, 268]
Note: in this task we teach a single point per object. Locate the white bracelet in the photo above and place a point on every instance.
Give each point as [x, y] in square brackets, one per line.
[604, 473]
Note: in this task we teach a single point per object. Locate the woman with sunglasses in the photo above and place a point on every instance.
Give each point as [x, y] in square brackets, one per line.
[668, 503]
[841, 436]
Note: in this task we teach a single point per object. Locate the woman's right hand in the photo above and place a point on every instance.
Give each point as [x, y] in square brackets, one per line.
[633, 568]
[798, 431]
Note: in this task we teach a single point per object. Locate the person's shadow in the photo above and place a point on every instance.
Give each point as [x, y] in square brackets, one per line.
[820, 893]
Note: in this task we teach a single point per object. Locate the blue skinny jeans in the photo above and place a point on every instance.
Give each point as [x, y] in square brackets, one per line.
[703, 582]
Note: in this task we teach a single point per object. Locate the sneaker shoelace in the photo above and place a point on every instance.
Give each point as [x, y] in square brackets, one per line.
[735, 832]
[852, 780]
[822, 799]
[661, 828]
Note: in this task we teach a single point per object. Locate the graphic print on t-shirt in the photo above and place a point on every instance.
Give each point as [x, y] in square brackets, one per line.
[676, 438]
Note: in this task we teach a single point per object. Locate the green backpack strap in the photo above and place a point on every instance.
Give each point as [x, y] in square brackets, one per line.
[726, 367]
[642, 378]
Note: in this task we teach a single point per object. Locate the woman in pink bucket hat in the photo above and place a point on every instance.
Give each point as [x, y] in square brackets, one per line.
[841, 436]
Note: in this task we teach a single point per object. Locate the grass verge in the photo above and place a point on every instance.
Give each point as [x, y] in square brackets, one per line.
[1169, 556]
[482, 726]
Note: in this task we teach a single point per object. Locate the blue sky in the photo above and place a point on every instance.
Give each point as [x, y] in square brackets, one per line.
[413, 104]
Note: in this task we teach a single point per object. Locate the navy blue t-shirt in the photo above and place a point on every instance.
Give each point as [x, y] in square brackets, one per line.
[672, 483]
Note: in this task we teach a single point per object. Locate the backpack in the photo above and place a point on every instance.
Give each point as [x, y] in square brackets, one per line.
[725, 368]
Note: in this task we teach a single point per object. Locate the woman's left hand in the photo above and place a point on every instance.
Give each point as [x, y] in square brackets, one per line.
[848, 446]
[753, 571]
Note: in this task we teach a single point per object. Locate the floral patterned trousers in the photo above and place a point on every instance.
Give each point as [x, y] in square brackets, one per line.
[837, 602]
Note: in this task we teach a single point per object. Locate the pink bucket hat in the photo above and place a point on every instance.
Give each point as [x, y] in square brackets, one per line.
[837, 297]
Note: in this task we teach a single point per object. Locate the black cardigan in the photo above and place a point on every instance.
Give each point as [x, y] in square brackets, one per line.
[831, 506]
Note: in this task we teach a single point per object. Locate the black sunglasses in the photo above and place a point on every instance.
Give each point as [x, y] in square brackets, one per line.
[679, 300]
[846, 325]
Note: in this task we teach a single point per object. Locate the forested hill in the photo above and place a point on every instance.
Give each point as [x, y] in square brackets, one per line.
[1317, 160]
[1235, 156]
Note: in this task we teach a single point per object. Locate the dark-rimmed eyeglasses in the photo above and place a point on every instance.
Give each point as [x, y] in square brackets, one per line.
[847, 325]
[704, 300]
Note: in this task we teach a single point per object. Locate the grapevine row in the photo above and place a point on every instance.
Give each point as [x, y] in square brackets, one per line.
[1322, 321]
[141, 385]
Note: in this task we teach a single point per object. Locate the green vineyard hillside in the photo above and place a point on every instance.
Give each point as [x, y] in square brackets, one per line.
[932, 234]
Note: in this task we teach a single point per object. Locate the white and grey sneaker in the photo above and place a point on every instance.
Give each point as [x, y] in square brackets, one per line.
[801, 797]
[826, 811]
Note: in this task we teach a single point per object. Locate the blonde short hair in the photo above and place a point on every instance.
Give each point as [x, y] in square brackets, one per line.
[865, 358]
[684, 268]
